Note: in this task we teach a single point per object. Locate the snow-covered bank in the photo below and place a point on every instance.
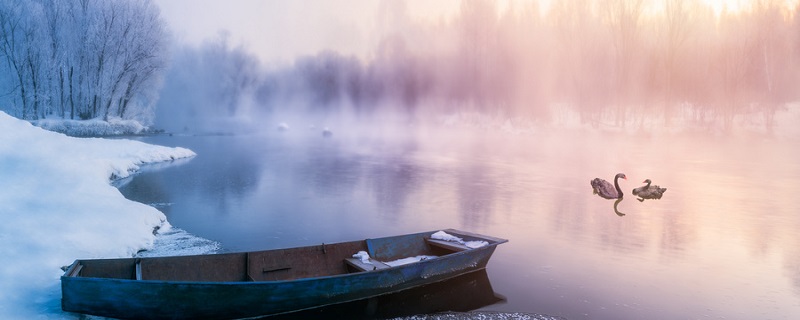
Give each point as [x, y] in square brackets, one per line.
[93, 127]
[57, 205]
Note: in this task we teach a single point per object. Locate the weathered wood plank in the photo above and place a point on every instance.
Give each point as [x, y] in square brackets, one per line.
[449, 245]
[362, 266]
[75, 270]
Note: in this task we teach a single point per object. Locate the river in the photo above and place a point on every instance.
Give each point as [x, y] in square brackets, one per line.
[723, 242]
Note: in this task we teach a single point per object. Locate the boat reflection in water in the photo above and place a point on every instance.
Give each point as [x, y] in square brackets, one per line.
[463, 293]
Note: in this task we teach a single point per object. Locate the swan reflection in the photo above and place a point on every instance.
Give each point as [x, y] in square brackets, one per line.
[615, 207]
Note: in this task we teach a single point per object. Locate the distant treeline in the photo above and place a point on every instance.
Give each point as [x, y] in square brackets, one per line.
[615, 60]
[80, 59]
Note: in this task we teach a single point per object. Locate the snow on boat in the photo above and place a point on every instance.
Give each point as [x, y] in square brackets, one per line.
[249, 284]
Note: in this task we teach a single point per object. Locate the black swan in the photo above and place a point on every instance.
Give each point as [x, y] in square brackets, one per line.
[648, 191]
[606, 190]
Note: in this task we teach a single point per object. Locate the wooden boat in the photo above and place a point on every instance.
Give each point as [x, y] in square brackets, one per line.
[249, 284]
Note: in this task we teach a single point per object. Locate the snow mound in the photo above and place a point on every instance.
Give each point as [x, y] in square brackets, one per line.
[172, 241]
[57, 205]
[405, 261]
[444, 236]
[363, 256]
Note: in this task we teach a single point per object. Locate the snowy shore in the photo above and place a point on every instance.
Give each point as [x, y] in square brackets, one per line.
[93, 127]
[58, 205]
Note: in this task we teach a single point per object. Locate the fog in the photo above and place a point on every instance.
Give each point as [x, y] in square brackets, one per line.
[618, 64]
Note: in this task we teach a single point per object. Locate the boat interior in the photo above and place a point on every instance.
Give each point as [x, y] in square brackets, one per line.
[271, 265]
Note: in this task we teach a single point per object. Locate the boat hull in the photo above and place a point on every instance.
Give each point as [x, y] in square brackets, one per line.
[157, 299]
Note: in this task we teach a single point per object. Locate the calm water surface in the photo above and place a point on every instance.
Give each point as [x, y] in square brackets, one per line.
[723, 242]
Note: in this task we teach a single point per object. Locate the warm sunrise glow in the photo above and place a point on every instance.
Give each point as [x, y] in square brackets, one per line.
[732, 6]
[737, 6]
[445, 9]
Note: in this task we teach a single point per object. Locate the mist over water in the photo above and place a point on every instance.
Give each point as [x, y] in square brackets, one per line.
[495, 120]
[616, 64]
[720, 243]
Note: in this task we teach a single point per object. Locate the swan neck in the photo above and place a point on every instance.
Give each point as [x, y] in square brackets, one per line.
[616, 185]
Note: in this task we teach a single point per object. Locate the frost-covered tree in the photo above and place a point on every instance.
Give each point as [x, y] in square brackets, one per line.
[19, 46]
[81, 58]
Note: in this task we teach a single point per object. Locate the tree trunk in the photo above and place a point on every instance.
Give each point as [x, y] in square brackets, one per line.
[71, 96]
[61, 107]
[127, 97]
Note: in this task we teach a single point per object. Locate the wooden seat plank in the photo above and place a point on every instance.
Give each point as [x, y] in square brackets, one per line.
[362, 266]
[449, 245]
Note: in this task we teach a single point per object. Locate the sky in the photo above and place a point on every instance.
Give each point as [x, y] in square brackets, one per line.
[279, 31]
